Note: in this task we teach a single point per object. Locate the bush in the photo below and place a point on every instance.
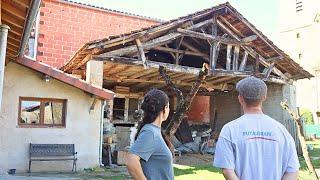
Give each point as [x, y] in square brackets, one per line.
[306, 114]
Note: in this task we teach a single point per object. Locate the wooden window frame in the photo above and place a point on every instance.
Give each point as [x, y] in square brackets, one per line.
[42, 101]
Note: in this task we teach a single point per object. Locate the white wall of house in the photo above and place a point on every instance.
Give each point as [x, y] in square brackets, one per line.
[82, 126]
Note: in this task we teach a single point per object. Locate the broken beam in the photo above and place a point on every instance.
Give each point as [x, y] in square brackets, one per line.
[141, 54]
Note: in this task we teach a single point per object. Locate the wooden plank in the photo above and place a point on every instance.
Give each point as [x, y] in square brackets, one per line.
[214, 45]
[10, 9]
[236, 58]
[152, 43]
[211, 38]
[22, 3]
[85, 59]
[165, 49]
[13, 44]
[141, 54]
[244, 61]
[154, 66]
[275, 59]
[269, 70]
[228, 61]
[256, 65]
[142, 73]
[251, 51]
[126, 109]
[15, 48]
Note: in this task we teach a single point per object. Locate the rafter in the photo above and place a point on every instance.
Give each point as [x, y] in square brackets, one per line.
[152, 43]
[228, 61]
[165, 49]
[252, 52]
[10, 9]
[215, 38]
[141, 54]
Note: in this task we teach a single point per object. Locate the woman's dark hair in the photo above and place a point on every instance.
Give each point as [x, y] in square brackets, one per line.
[153, 103]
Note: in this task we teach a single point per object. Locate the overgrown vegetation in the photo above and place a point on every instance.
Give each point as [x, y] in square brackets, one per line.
[306, 114]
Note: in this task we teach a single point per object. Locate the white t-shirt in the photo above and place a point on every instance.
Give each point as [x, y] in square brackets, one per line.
[256, 147]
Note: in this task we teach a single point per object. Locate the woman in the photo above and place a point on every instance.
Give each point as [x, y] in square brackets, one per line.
[149, 157]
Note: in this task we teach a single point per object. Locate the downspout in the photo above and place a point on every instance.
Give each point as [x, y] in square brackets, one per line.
[101, 132]
[3, 47]
[32, 14]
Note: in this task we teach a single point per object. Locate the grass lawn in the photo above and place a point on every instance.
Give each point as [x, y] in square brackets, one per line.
[204, 172]
[199, 172]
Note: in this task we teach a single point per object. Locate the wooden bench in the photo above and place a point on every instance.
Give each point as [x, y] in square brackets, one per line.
[53, 152]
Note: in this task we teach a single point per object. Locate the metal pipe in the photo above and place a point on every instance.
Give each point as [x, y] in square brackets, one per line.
[101, 132]
[32, 14]
[3, 47]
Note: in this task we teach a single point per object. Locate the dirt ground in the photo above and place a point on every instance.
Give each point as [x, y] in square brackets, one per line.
[191, 159]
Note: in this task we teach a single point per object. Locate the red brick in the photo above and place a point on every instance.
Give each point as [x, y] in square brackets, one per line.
[66, 27]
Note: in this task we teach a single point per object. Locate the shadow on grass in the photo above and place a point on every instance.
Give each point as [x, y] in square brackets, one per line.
[184, 170]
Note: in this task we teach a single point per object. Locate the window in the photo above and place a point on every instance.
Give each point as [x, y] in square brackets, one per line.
[41, 112]
[118, 108]
[298, 35]
[124, 109]
[300, 56]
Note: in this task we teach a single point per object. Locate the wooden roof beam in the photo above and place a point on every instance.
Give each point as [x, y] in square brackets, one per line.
[22, 3]
[216, 38]
[141, 54]
[14, 21]
[10, 9]
[162, 82]
[252, 52]
[153, 43]
[166, 49]
[170, 67]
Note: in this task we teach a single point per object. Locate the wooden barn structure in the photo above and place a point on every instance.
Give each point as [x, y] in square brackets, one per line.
[219, 36]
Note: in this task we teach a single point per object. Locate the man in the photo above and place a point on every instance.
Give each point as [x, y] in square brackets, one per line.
[255, 146]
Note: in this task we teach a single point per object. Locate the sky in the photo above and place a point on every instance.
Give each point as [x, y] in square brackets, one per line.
[263, 14]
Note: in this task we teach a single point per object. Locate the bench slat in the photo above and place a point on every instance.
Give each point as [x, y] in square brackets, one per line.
[50, 150]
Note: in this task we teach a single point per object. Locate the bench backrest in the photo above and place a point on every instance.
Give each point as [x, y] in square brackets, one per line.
[45, 150]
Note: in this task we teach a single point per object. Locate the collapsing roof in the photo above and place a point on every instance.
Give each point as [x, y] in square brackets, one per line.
[219, 36]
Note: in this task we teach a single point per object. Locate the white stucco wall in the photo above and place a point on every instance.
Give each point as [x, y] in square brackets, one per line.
[82, 127]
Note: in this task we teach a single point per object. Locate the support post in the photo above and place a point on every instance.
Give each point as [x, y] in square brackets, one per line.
[256, 66]
[244, 61]
[3, 46]
[235, 58]
[126, 109]
[228, 61]
[214, 45]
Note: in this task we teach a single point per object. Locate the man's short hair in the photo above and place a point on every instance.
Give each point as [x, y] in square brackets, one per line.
[252, 89]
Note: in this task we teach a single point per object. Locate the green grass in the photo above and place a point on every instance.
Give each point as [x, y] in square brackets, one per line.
[208, 172]
[196, 172]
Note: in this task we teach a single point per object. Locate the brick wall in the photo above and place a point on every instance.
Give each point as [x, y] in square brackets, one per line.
[199, 111]
[64, 27]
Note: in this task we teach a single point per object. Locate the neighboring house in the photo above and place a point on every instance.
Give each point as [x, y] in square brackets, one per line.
[63, 26]
[299, 36]
[41, 104]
